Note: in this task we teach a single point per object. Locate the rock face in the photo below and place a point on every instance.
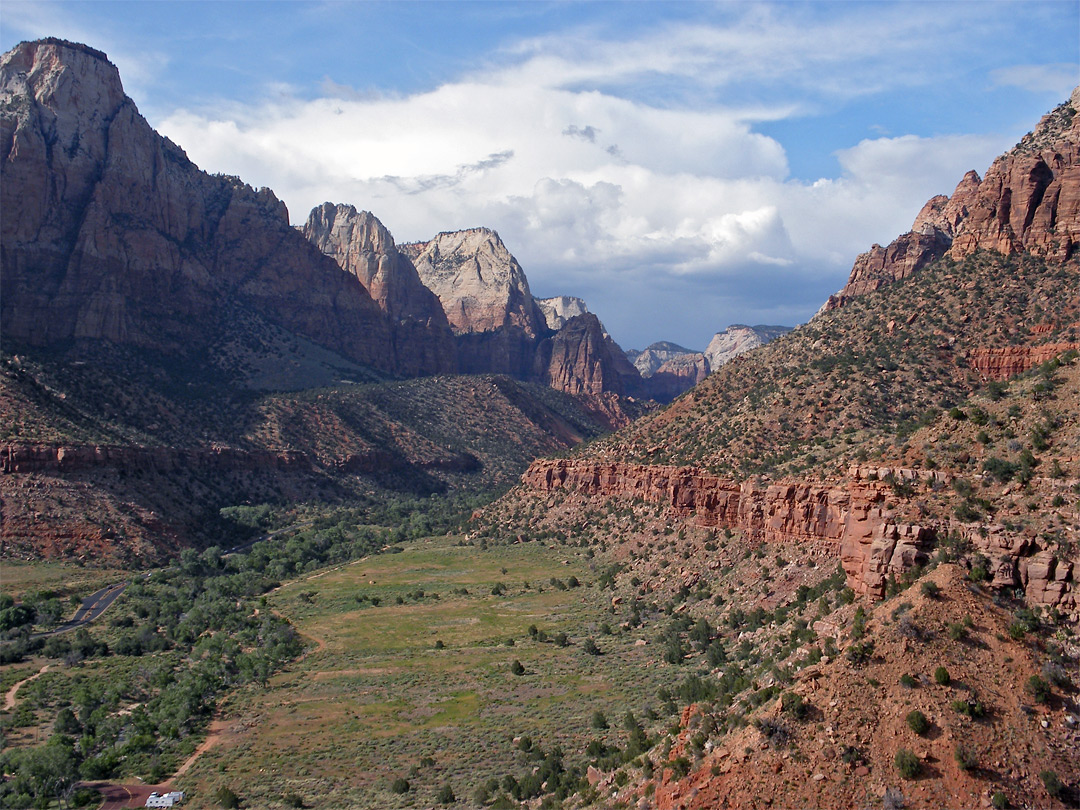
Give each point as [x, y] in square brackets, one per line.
[361, 245]
[1008, 361]
[578, 359]
[850, 518]
[649, 360]
[486, 298]
[110, 233]
[738, 339]
[677, 375]
[1029, 201]
[558, 310]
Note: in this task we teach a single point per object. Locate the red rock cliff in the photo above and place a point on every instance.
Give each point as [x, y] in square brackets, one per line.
[850, 518]
[110, 233]
[1029, 201]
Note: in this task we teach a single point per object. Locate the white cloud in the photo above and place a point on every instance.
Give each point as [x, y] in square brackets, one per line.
[1058, 79]
[601, 192]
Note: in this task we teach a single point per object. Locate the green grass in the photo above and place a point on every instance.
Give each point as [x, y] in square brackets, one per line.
[18, 578]
[377, 697]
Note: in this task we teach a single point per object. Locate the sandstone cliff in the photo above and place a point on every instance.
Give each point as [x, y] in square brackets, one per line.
[850, 518]
[486, 298]
[677, 375]
[738, 339]
[111, 233]
[1029, 201]
[649, 359]
[361, 245]
[578, 360]
[561, 308]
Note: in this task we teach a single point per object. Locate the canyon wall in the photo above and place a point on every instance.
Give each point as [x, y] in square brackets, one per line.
[850, 517]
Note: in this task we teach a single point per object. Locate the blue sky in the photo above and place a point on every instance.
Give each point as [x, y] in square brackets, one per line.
[681, 166]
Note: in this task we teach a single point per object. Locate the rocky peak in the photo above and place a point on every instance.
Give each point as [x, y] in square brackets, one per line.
[578, 359]
[649, 360]
[110, 233]
[738, 339]
[1028, 201]
[363, 247]
[480, 284]
[558, 310]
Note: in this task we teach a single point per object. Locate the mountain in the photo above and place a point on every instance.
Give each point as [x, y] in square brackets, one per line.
[737, 339]
[111, 233]
[870, 516]
[558, 310]
[361, 245]
[486, 298]
[649, 360]
[172, 346]
[1027, 203]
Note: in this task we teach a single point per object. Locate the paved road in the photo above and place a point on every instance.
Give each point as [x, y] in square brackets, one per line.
[92, 606]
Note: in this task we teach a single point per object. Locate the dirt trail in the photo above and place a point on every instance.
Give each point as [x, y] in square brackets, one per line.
[9, 697]
[217, 728]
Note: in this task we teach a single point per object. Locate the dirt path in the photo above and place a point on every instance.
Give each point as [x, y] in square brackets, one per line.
[217, 728]
[9, 698]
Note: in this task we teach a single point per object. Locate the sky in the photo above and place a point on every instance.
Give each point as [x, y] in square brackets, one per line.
[680, 166]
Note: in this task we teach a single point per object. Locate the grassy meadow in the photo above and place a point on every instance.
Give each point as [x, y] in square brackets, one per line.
[410, 675]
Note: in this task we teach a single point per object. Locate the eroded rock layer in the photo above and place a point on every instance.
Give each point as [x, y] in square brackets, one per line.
[851, 518]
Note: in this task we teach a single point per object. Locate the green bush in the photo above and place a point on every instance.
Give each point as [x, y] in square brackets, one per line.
[446, 794]
[1038, 689]
[941, 676]
[999, 800]
[930, 590]
[400, 785]
[517, 667]
[226, 798]
[908, 681]
[793, 705]
[917, 722]
[907, 763]
[1052, 783]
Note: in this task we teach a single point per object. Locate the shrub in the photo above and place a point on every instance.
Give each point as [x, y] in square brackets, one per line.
[1038, 688]
[517, 668]
[226, 798]
[908, 681]
[930, 590]
[400, 785]
[860, 652]
[999, 800]
[917, 722]
[941, 676]
[446, 794]
[599, 720]
[957, 631]
[793, 705]
[965, 757]
[590, 647]
[1052, 783]
[907, 763]
[292, 800]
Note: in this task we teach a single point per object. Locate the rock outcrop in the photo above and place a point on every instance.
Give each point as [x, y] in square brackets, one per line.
[578, 359]
[1029, 201]
[486, 298]
[561, 308]
[111, 233]
[738, 339]
[1008, 361]
[677, 375]
[649, 359]
[361, 245]
[850, 518]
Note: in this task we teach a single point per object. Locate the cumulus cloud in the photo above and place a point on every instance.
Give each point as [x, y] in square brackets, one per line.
[664, 208]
